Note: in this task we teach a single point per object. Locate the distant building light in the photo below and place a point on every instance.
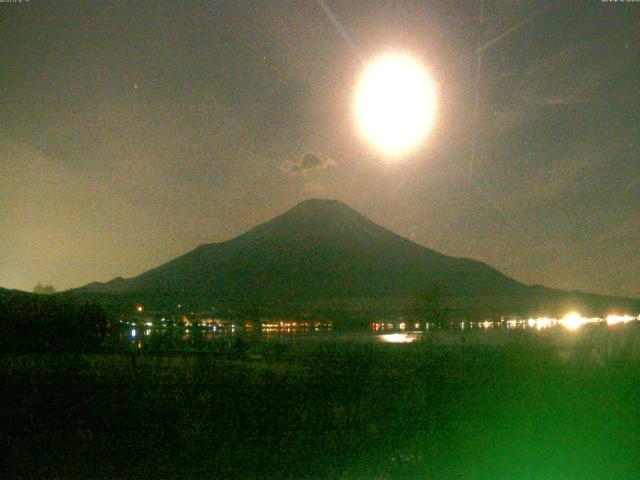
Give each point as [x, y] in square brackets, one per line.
[572, 321]
[613, 319]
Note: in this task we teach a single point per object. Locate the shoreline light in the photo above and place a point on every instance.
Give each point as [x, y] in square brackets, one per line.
[615, 319]
[572, 321]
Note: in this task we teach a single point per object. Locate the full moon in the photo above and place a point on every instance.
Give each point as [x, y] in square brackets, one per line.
[395, 104]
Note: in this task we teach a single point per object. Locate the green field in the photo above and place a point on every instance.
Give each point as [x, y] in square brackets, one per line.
[325, 410]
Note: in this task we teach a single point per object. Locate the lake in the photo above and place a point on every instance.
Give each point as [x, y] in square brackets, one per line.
[596, 338]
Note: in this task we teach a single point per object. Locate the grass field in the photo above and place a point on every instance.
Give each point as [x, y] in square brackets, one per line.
[325, 410]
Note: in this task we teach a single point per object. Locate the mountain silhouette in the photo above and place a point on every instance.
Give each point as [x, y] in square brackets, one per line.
[318, 249]
[324, 250]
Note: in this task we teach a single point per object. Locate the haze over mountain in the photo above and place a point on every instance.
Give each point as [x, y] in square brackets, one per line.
[319, 250]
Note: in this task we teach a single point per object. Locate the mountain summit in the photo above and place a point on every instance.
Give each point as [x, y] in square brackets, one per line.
[319, 249]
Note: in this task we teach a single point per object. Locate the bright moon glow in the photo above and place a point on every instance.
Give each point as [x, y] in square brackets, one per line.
[395, 104]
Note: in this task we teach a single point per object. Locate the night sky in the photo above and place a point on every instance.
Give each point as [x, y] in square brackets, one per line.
[134, 131]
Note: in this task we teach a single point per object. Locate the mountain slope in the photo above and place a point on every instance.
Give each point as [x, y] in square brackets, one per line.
[318, 249]
[323, 250]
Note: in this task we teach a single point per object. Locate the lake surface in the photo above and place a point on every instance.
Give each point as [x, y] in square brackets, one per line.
[596, 336]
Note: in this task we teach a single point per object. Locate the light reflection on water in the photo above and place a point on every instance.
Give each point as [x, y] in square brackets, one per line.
[399, 337]
[205, 336]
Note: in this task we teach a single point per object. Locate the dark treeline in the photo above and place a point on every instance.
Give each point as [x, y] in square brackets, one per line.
[34, 323]
[434, 303]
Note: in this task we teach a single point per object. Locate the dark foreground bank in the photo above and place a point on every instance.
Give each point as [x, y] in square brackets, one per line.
[331, 411]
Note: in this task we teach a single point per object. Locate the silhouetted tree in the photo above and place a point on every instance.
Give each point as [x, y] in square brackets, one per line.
[433, 305]
[44, 289]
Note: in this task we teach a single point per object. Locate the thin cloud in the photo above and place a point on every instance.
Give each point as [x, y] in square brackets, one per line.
[569, 77]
